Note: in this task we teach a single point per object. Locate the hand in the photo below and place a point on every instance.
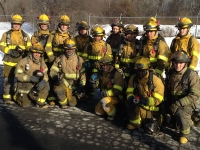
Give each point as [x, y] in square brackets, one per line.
[56, 80]
[143, 101]
[87, 65]
[38, 73]
[174, 107]
[51, 59]
[136, 100]
[41, 85]
[14, 53]
[80, 90]
[19, 49]
[103, 94]
[34, 79]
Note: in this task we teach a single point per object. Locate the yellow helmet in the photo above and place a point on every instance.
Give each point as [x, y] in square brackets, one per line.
[98, 31]
[184, 23]
[83, 25]
[69, 44]
[37, 48]
[151, 25]
[64, 19]
[131, 29]
[142, 63]
[106, 60]
[43, 19]
[17, 19]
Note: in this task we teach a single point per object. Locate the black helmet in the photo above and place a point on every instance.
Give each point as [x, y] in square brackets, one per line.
[180, 56]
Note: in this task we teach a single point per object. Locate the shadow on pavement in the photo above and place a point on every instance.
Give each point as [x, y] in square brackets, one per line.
[15, 136]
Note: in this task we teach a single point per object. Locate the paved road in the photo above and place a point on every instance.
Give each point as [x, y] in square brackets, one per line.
[78, 128]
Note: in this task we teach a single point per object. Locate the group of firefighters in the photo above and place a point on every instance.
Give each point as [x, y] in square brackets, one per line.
[54, 67]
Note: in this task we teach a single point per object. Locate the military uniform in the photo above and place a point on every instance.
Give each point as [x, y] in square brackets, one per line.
[23, 72]
[15, 45]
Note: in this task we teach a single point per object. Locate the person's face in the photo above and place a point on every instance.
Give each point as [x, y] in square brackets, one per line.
[178, 66]
[16, 26]
[183, 31]
[36, 55]
[97, 38]
[141, 73]
[130, 36]
[150, 34]
[82, 31]
[44, 26]
[106, 67]
[69, 51]
[63, 27]
[115, 29]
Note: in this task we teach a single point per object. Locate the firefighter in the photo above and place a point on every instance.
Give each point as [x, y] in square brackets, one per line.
[111, 85]
[145, 93]
[42, 34]
[128, 51]
[54, 48]
[93, 52]
[185, 41]
[153, 46]
[68, 73]
[82, 39]
[32, 79]
[54, 45]
[116, 37]
[182, 93]
[15, 44]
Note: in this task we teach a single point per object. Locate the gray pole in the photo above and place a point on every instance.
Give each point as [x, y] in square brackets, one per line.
[89, 22]
[196, 24]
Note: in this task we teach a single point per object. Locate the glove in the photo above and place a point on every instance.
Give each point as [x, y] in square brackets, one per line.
[87, 65]
[130, 99]
[38, 73]
[80, 90]
[51, 59]
[103, 94]
[34, 79]
[14, 53]
[44, 36]
[57, 78]
[41, 85]
[19, 49]
[94, 77]
[143, 101]
[174, 107]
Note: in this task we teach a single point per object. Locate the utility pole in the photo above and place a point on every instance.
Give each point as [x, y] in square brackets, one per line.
[196, 24]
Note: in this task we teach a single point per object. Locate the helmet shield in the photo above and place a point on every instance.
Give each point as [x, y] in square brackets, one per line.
[142, 63]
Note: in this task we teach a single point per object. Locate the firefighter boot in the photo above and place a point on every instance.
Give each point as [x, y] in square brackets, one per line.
[63, 106]
[52, 103]
[132, 127]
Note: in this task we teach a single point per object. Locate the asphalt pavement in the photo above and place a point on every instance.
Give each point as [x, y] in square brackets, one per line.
[78, 128]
